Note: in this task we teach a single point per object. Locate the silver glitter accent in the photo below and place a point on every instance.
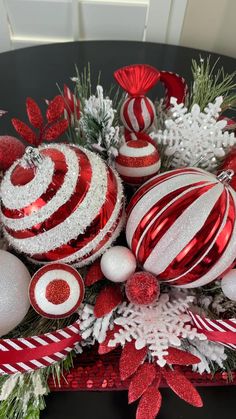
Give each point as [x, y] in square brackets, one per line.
[77, 222]
[61, 197]
[17, 197]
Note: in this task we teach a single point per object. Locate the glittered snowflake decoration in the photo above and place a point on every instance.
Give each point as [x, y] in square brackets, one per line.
[194, 138]
[157, 326]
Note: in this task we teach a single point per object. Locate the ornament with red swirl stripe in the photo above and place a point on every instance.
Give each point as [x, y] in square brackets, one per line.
[56, 291]
[137, 161]
[181, 226]
[137, 112]
[61, 203]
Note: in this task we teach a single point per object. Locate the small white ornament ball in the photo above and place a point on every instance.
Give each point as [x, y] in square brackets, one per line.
[14, 282]
[228, 284]
[118, 263]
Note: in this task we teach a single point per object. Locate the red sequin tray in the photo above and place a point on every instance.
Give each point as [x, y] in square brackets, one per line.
[95, 372]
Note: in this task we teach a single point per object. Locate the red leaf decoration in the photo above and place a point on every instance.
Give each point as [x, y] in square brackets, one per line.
[55, 108]
[71, 102]
[142, 379]
[103, 347]
[149, 404]
[131, 358]
[137, 79]
[34, 113]
[108, 299]
[24, 131]
[55, 130]
[182, 387]
[179, 357]
[94, 274]
[175, 86]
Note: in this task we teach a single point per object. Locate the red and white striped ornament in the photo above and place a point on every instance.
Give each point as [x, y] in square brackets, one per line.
[67, 207]
[56, 291]
[137, 161]
[128, 136]
[28, 354]
[137, 112]
[218, 330]
[181, 227]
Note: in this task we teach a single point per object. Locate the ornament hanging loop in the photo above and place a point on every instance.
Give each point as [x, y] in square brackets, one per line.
[226, 176]
[33, 157]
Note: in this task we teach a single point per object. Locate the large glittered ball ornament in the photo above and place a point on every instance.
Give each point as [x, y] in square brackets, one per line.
[56, 291]
[137, 161]
[228, 284]
[14, 282]
[118, 263]
[142, 288]
[61, 203]
[11, 149]
[181, 226]
[137, 112]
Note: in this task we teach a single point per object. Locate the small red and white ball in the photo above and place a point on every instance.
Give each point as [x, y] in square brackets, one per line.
[181, 226]
[56, 291]
[142, 288]
[14, 300]
[137, 161]
[67, 206]
[137, 113]
[118, 263]
[128, 136]
[228, 284]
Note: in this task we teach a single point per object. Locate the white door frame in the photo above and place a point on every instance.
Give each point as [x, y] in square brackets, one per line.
[5, 35]
[165, 21]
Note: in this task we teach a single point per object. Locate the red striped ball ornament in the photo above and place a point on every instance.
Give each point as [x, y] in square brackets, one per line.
[137, 161]
[67, 207]
[56, 291]
[181, 227]
[137, 113]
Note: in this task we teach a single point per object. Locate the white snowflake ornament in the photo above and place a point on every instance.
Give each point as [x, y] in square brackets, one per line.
[195, 138]
[155, 326]
[92, 328]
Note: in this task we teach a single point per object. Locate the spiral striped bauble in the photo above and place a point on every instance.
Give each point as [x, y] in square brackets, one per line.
[181, 227]
[67, 208]
[137, 161]
[137, 113]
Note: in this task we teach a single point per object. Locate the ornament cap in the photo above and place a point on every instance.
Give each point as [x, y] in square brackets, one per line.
[32, 157]
[226, 176]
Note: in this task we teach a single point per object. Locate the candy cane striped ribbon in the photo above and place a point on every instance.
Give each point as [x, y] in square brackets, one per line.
[28, 354]
[221, 330]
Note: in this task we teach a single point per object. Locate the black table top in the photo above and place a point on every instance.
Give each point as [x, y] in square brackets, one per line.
[34, 72]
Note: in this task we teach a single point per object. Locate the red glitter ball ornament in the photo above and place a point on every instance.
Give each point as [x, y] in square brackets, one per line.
[11, 149]
[142, 288]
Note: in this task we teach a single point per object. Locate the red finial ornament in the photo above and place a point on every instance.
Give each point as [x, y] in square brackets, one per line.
[137, 112]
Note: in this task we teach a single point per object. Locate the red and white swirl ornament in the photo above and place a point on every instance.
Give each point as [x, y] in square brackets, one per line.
[181, 227]
[56, 291]
[137, 112]
[137, 161]
[68, 207]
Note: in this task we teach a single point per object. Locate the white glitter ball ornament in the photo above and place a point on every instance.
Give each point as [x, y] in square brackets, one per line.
[14, 282]
[137, 161]
[228, 284]
[66, 205]
[118, 264]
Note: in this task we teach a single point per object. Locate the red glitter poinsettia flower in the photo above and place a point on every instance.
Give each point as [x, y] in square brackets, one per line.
[145, 377]
[55, 126]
